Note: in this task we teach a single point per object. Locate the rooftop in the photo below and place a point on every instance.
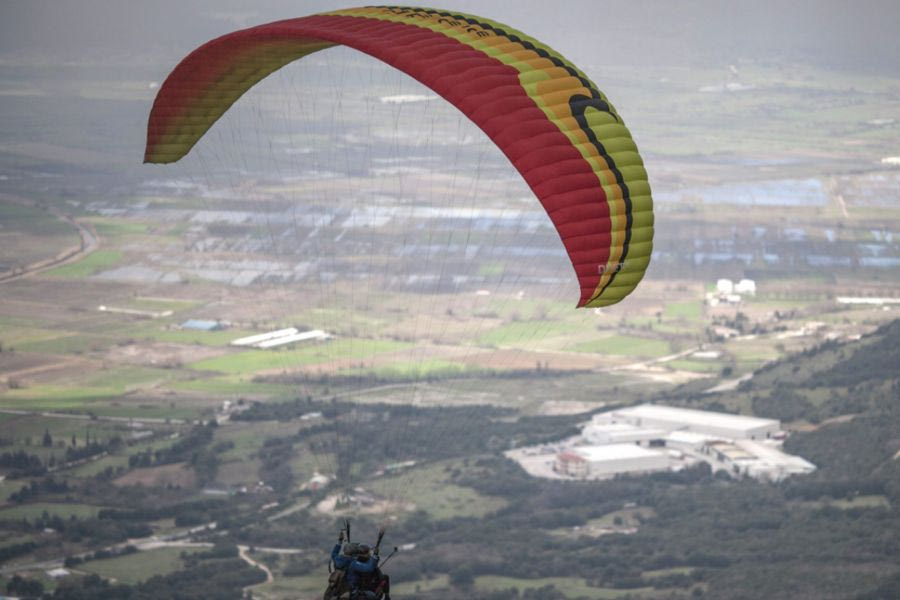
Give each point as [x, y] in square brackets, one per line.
[613, 452]
[774, 456]
[689, 437]
[690, 416]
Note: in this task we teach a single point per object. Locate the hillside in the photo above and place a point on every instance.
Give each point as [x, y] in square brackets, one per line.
[480, 525]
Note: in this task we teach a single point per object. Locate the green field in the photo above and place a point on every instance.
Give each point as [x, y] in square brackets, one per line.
[232, 385]
[120, 459]
[100, 401]
[140, 566]
[411, 588]
[28, 431]
[525, 334]
[625, 345]
[97, 386]
[106, 227]
[87, 266]
[253, 361]
[417, 370]
[571, 587]
[428, 488]
[698, 366]
[308, 586]
[170, 333]
[687, 310]
[32, 511]
[67, 343]
[31, 219]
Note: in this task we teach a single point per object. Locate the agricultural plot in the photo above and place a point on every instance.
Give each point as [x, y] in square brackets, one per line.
[571, 587]
[38, 509]
[528, 334]
[30, 235]
[117, 460]
[113, 228]
[255, 361]
[93, 392]
[411, 588]
[139, 566]
[286, 588]
[429, 489]
[626, 345]
[87, 266]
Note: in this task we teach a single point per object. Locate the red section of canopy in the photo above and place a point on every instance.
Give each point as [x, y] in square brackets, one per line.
[483, 88]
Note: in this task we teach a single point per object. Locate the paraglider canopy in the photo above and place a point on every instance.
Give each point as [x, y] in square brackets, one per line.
[545, 115]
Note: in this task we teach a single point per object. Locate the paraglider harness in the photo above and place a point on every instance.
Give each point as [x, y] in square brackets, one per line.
[372, 586]
[337, 578]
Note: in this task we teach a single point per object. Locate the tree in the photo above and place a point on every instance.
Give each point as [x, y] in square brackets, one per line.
[25, 588]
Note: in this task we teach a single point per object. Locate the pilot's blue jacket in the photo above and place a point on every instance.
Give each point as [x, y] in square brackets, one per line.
[360, 569]
[340, 561]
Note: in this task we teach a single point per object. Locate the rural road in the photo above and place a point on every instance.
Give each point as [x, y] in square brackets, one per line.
[89, 243]
[242, 552]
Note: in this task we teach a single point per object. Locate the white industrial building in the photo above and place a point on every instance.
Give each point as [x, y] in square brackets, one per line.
[771, 462]
[670, 418]
[599, 434]
[649, 437]
[608, 460]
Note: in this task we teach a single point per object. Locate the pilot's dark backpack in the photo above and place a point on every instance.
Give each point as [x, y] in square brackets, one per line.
[337, 585]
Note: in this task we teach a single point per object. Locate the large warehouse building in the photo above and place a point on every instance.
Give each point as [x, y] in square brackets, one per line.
[604, 461]
[670, 418]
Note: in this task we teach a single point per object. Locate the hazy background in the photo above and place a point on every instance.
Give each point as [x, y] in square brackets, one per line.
[340, 195]
[853, 35]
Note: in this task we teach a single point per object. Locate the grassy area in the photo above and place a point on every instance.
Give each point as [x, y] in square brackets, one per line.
[686, 310]
[665, 572]
[31, 219]
[252, 361]
[873, 501]
[412, 588]
[90, 264]
[571, 587]
[72, 343]
[89, 469]
[625, 345]
[285, 588]
[630, 517]
[26, 432]
[106, 227]
[428, 488]
[16, 335]
[417, 370]
[239, 472]
[232, 385]
[526, 333]
[161, 304]
[167, 333]
[8, 486]
[100, 401]
[752, 353]
[248, 437]
[137, 567]
[33, 511]
[103, 384]
[698, 366]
